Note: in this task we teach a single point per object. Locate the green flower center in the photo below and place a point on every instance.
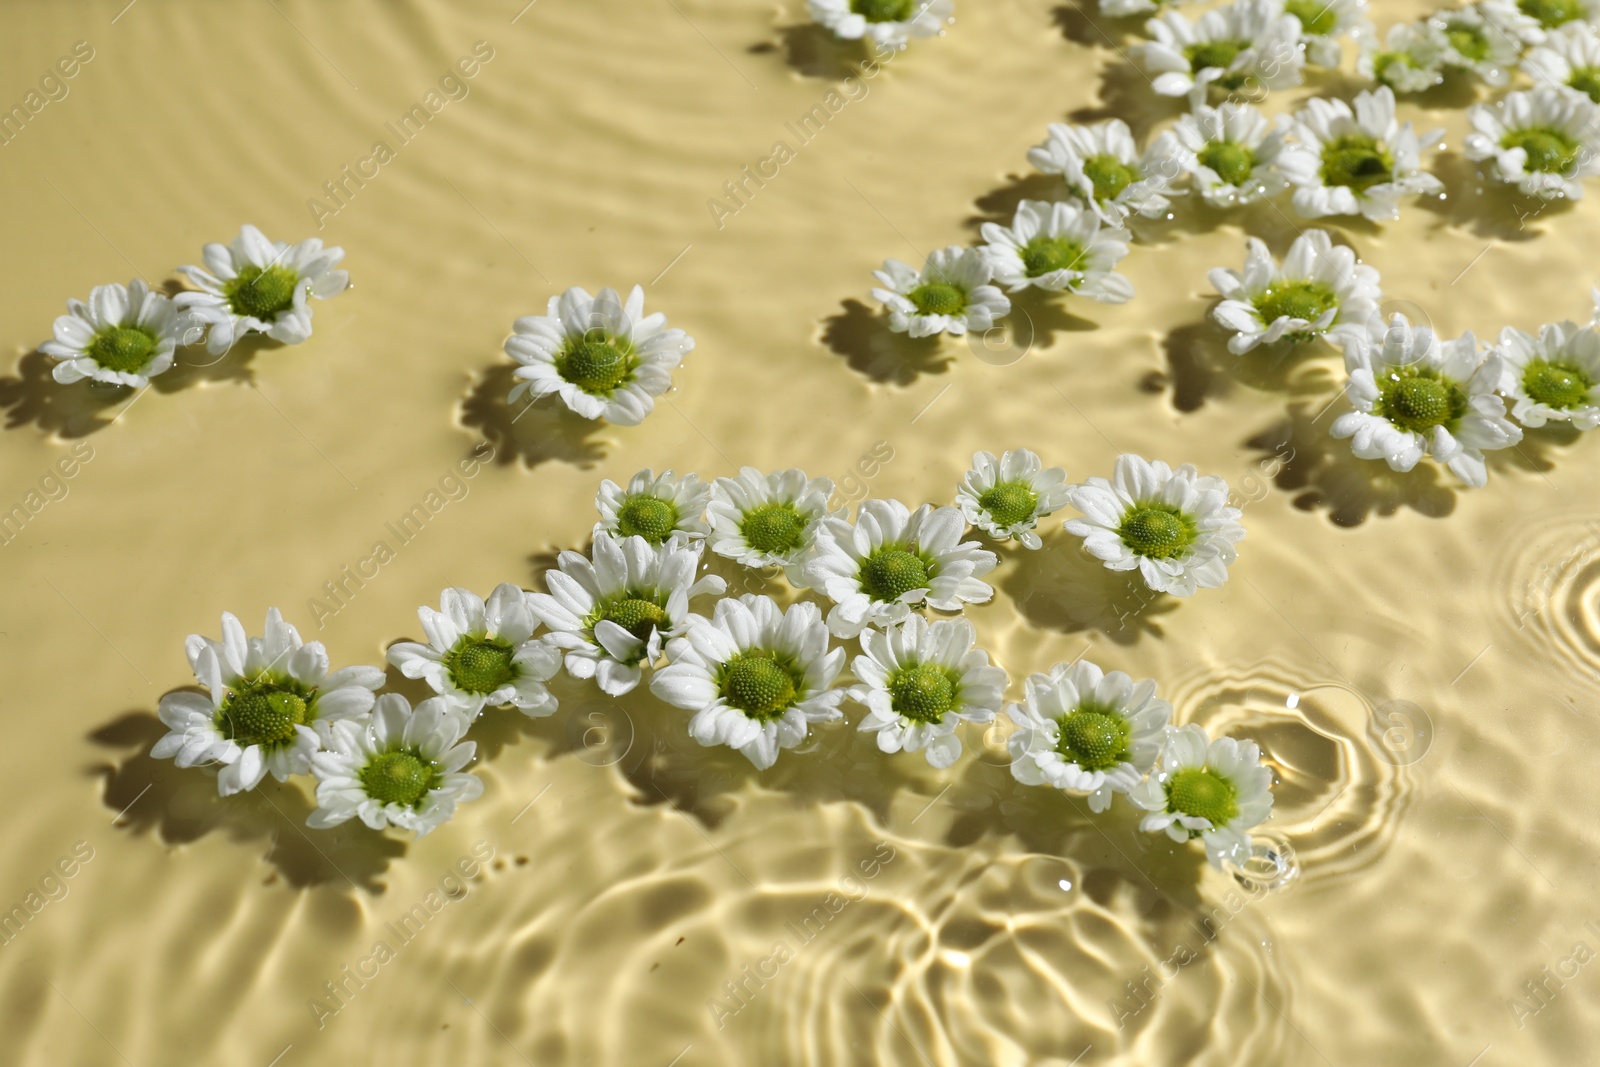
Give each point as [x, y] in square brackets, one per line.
[1551, 13]
[1317, 17]
[922, 693]
[1587, 81]
[1419, 402]
[938, 298]
[1232, 162]
[1556, 385]
[1109, 176]
[1548, 149]
[1203, 793]
[1219, 54]
[776, 526]
[889, 572]
[1468, 40]
[1305, 300]
[1094, 738]
[882, 10]
[478, 665]
[262, 294]
[639, 617]
[1045, 254]
[262, 713]
[1385, 64]
[121, 348]
[595, 366]
[648, 517]
[1157, 531]
[758, 685]
[1356, 161]
[402, 778]
[1009, 503]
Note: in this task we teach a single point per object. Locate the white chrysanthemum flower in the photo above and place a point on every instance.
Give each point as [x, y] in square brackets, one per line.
[1059, 246]
[1477, 43]
[1570, 57]
[920, 681]
[892, 559]
[1247, 44]
[1214, 790]
[259, 286]
[951, 294]
[1410, 59]
[1231, 152]
[121, 336]
[1173, 526]
[754, 675]
[1006, 498]
[886, 22]
[612, 614]
[765, 520]
[1533, 21]
[270, 701]
[1324, 22]
[1102, 167]
[1320, 288]
[1544, 141]
[1086, 731]
[1416, 395]
[1359, 161]
[656, 507]
[1554, 377]
[398, 768]
[605, 359]
[482, 654]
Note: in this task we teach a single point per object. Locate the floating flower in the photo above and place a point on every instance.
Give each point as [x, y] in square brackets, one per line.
[1006, 498]
[1416, 395]
[886, 22]
[1086, 731]
[259, 286]
[605, 359]
[1477, 43]
[612, 614]
[269, 703]
[1059, 247]
[121, 336]
[1533, 20]
[1570, 57]
[754, 675]
[1248, 43]
[1173, 526]
[1554, 377]
[1357, 161]
[893, 559]
[767, 520]
[398, 768]
[1410, 60]
[482, 654]
[1321, 288]
[1214, 790]
[1324, 22]
[1102, 167]
[951, 294]
[1544, 141]
[1118, 9]
[1231, 152]
[654, 507]
[920, 681]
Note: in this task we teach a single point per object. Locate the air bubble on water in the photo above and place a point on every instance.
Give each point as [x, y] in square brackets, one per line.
[1271, 865]
[1065, 885]
[1293, 701]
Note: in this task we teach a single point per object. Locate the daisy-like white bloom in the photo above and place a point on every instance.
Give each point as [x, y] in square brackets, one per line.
[1059, 246]
[1087, 731]
[613, 613]
[1231, 152]
[259, 286]
[765, 520]
[920, 681]
[1544, 141]
[1360, 161]
[122, 336]
[1570, 57]
[398, 768]
[1554, 377]
[886, 22]
[1475, 42]
[270, 701]
[1248, 43]
[656, 507]
[1102, 167]
[1214, 790]
[606, 359]
[482, 654]
[755, 676]
[1414, 394]
[1173, 526]
[1320, 288]
[1534, 20]
[893, 559]
[1409, 60]
[1006, 497]
[1324, 22]
[951, 294]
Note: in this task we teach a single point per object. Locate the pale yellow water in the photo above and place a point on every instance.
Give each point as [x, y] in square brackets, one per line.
[634, 873]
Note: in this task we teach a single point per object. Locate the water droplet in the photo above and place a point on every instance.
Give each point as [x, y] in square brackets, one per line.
[1292, 701]
[1065, 885]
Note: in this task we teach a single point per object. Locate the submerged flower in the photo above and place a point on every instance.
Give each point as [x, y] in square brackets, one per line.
[893, 559]
[399, 768]
[1231, 152]
[270, 700]
[1554, 377]
[951, 294]
[1059, 247]
[612, 614]
[1472, 41]
[1410, 59]
[766, 520]
[656, 507]
[1544, 141]
[754, 675]
[259, 286]
[1324, 22]
[1415, 395]
[1173, 526]
[122, 336]
[1570, 57]
[920, 681]
[1006, 498]
[1102, 167]
[482, 654]
[1086, 731]
[1320, 288]
[886, 22]
[1214, 790]
[606, 359]
[1358, 161]
[1247, 44]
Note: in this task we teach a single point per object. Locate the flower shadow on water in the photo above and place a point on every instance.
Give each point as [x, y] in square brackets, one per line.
[1126, 93]
[864, 339]
[1061, 587]
[196, 366]
[532, 431]
[1487, 208]
[812, 51]
[1536, 453]
[1083, 24]
[1200, 367]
